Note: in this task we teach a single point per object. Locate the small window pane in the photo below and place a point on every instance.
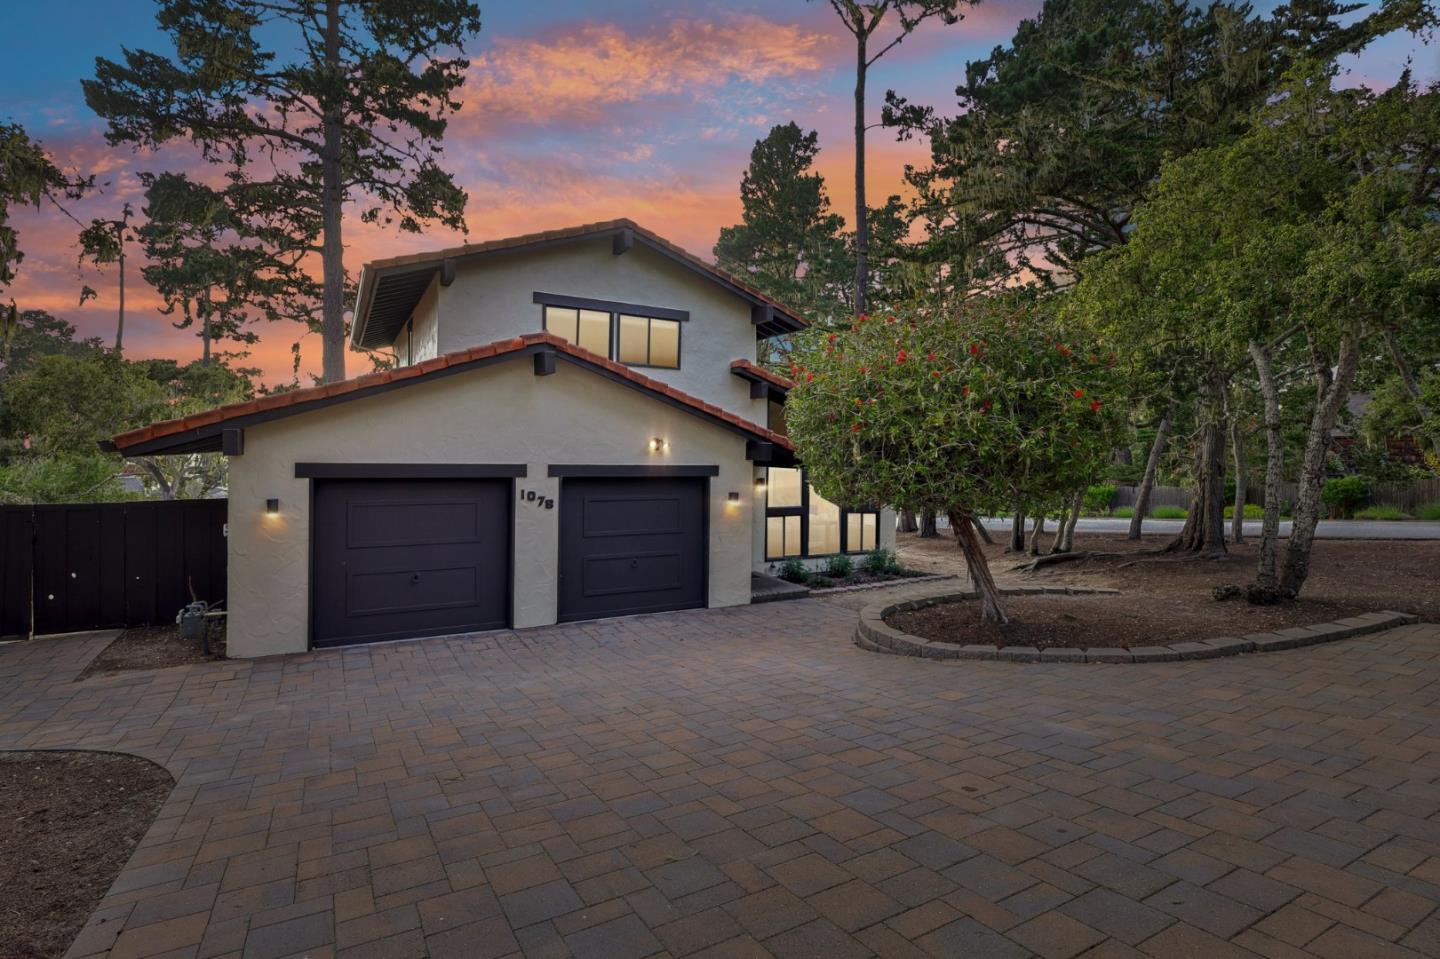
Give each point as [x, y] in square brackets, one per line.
[824, 525]
[594, 332]
[792, 536]
[784, 486]
[782, 537]
[868, 541]
[634, 339]
[665, 343]
[561, 321]
[854, 532]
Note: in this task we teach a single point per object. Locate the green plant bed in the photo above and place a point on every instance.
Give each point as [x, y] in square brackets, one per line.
[1429, 511]
[1252, 511]
[1169, 512]
[1124, 512]
[1382, 512]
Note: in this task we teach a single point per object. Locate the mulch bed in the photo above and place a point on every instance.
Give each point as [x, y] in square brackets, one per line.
[1166, 599]
[862, 578]
[71, 821]
[154, 647]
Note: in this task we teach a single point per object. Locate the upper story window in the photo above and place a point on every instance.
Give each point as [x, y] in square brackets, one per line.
[632, 334]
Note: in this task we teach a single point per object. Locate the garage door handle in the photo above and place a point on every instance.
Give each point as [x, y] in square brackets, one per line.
[414, 578]
[634, 563]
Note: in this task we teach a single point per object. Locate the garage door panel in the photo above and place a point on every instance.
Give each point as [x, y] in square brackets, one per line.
[407, 589]
[636, 515]
[631, 545]
[634, 573]
[406, 523]
[395, 559]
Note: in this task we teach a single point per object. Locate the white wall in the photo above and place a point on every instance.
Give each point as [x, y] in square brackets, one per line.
[425, 336]
[492, 299]
[502, 413]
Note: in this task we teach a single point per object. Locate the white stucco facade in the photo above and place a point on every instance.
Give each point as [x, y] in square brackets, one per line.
[498, 414]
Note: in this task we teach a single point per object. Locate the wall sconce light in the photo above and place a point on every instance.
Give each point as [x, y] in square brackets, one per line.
[272, 507]
[658, 444]
[734, 497]
[759, 484]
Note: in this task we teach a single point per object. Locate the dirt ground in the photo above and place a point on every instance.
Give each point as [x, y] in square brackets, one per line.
[1167, 599]
[71, 821]
[154, 647]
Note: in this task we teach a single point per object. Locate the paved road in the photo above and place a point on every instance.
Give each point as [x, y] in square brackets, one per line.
[1328, 529]
[748, 783]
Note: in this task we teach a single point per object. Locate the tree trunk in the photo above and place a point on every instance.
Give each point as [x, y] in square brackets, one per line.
[984, 533]
[862, 226]
[927, 525]
[1412, 388]
[1035, 535]
[120, 324]
[1067, 532]
[1237, 453]
[1332, 386]
[907, 521]
[1204, 530]
[332, 251]
[1265, 577]
[1152, 467]
[1017, 532]
[963, 524]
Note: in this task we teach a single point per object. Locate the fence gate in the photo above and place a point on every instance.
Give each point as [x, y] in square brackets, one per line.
[105, 565]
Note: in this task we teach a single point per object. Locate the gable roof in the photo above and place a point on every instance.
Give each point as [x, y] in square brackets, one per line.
[204, 432]
[389, 289]
[755, 373]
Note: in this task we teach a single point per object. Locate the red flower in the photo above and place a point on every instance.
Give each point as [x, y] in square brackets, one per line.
[974, 349]
[965, 390]
[1094, 406]
[1079, 394]
[855, 427]
[987, 405]
[809, 377]
[1064, 350]
[864, 317]
[864, 370]
[901, 356]
[930, 356]
[935, 373]
[889, 319]
[833, 337]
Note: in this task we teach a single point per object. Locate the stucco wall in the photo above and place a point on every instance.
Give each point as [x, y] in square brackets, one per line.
[493, 298]
[425, 338]
[497, 414]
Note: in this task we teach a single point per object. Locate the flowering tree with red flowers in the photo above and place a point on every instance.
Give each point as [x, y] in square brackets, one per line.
[962, 411]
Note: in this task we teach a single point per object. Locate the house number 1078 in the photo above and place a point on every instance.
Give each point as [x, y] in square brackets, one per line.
[543, 502]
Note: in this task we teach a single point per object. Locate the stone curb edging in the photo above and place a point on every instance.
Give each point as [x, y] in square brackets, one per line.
[874, 634]
[881, 584]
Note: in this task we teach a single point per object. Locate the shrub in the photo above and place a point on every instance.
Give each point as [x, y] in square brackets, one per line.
[839, 567]
[1382, 512]
[1252, 511]
[1345, 495]
[1169, 512]
[1124, 512]
[817, 581]
[1430, 511]
[880, 562]
[1098, 499]
[794, 571]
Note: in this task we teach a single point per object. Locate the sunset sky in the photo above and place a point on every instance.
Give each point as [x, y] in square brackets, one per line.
[574, 111]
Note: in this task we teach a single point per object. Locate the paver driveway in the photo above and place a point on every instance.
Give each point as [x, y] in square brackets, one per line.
[746, 782]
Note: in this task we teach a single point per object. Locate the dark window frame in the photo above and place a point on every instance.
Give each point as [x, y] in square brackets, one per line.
[616, 309]
[803, 512]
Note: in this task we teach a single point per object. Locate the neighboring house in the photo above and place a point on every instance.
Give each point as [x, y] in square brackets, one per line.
[576, 428]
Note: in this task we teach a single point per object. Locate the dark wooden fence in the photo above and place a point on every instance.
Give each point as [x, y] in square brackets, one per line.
[1405, 496]
[104, 565]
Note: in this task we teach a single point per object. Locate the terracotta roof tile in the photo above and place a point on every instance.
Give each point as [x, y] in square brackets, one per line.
[751, 370]
[360, 384]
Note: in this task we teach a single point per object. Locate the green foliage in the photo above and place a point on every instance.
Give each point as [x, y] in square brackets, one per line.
[1252, 511]
[839, 567]
[1345, 495]
[793, 570]
[881, 562]
[1382, 513]
[789, 243]
[1169, 512]
[1428, 511]
[27, 176]
[1097, 499]
[817, 581]
[1123, 512]
[62, 478]
[975, 408]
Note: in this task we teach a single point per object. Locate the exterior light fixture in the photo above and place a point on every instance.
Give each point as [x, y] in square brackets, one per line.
[272, 507]
[734, 497]
[658, 444]
[759, 484]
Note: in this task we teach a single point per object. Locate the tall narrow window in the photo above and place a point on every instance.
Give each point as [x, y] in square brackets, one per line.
[824, 517]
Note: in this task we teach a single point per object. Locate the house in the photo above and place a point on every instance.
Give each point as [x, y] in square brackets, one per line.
[576, 428]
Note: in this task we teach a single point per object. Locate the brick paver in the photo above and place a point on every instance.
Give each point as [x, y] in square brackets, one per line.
[747, 782]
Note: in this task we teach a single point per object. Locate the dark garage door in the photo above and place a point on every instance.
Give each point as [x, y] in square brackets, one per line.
[401, 558]
[631, 546]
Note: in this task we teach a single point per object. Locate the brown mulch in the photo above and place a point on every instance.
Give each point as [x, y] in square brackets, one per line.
[1166, 599]
[154, 647]
[71, 821]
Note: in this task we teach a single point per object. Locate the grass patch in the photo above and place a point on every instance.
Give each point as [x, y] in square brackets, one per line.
[1252, 511]
[1382, 512]
[1169, 512]
[1124, 512]
[1430, 511]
